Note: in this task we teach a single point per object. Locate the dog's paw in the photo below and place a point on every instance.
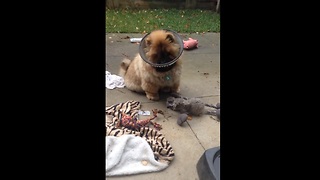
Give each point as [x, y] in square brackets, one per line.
[175, 90]
[153, 97]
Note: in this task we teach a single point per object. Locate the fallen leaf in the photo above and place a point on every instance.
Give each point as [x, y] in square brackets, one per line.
[127, 37]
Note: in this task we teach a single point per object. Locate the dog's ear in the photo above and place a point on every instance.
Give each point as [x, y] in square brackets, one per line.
[170, 37]
[148, 41]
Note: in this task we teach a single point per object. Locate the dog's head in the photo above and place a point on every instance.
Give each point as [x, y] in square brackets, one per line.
[161, 47]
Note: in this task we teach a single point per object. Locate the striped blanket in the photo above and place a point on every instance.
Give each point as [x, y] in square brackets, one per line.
[142, 141]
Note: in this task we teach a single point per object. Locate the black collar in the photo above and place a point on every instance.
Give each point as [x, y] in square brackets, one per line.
[165, 69]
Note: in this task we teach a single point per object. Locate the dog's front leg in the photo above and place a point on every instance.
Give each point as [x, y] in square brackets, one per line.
[175, 88]
[151, 90]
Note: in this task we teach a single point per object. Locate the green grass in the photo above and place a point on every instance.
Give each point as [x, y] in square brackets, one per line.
[142, 21]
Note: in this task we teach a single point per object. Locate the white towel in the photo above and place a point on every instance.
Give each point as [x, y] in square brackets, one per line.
[129, 154]
[113, 81]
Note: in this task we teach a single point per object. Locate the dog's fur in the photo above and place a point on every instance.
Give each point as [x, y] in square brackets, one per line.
[139, 76]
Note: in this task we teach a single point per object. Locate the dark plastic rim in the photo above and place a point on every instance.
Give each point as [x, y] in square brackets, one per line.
[143, 56]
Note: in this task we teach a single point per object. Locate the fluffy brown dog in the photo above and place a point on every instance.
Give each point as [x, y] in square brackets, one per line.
[139, 76]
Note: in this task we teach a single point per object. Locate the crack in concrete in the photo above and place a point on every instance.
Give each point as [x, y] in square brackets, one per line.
[195, 136]
[208, 96]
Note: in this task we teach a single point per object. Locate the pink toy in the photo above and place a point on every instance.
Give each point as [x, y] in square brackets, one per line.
[190, 44]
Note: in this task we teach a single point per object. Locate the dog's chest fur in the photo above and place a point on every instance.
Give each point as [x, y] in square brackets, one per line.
[164, 79]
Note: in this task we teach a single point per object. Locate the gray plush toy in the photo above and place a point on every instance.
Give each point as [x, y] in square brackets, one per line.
[191, 107]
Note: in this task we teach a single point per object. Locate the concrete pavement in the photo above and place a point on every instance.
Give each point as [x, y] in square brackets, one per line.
[200, 78]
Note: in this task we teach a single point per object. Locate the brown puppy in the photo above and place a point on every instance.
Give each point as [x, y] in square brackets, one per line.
[139, 76]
